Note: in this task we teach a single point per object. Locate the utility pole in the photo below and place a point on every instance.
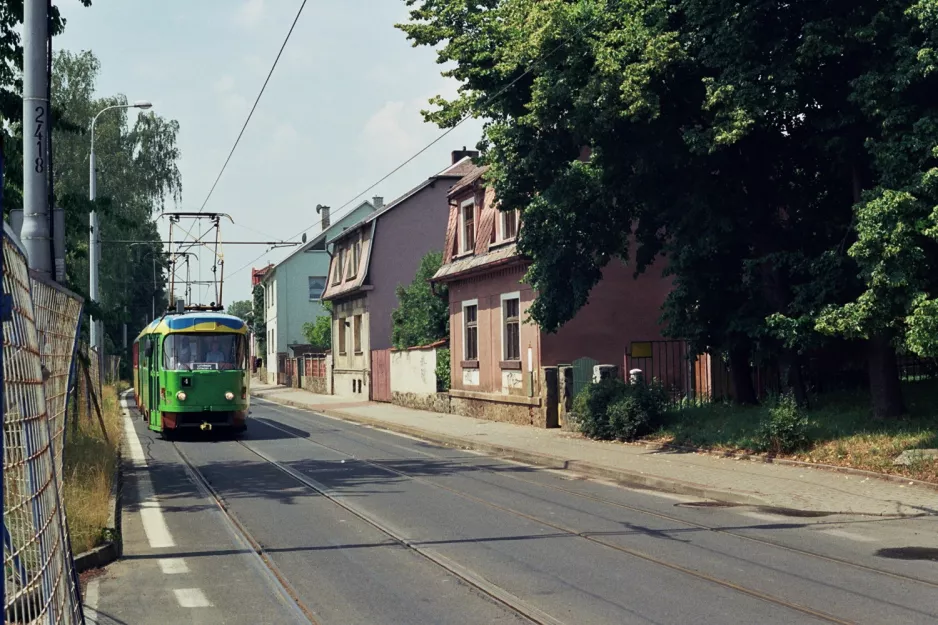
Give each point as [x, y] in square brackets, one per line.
[35, 235]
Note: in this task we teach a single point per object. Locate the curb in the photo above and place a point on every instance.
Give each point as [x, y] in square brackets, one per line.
[630, 479]
[112, 549]
[887, 477]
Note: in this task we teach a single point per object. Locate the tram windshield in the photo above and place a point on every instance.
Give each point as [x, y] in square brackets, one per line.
[197, 351]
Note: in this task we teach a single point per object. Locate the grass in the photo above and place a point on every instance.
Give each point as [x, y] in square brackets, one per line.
[842, 431]
[90, 461]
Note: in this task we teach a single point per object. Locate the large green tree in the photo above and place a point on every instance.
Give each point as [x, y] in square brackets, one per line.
[422, 315]
[242, 309]
[733, 138]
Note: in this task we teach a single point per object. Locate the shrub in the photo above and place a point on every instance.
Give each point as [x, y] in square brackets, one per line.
[442, 370]
[591, 404]
[637, 412]
[786, 428]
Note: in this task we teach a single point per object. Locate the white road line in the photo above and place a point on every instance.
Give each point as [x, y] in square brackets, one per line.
[192, 598]
[91, 601]
[154, 525]
[764, 517]
[173, 566]
[848, 535]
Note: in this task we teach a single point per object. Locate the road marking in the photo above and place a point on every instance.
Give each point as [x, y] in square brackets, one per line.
[91, 601]
[192, 598]
[173, 566]
[151, 515]
[764, 517]
[848, 535]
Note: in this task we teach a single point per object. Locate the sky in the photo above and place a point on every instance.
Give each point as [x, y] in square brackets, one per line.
[341, 111]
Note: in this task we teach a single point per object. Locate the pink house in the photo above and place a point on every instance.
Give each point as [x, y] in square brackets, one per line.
[497, 359]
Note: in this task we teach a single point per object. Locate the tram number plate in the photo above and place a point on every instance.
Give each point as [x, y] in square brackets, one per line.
[205, 366]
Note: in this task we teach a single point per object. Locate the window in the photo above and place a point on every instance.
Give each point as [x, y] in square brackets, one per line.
[357, 336]
[354, 253]
[317, 284]
[467, 226]
[470, 313]
[193, 351]
[337, 274]
[509, 224]
[511, 332]
[342, 323]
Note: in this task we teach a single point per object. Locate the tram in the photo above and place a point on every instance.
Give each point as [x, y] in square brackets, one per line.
[191, 372]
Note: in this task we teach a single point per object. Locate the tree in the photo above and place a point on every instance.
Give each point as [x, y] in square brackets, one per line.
[242, 309]
[137, 176]
[752, 145]
[319, 332]
[422, 315]
[259, 322]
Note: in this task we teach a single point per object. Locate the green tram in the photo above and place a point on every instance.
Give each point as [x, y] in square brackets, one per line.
[191, 371]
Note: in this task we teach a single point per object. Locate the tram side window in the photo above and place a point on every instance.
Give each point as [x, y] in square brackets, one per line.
[185, 352]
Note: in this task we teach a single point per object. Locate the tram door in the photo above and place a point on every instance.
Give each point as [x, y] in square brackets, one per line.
[154, 386]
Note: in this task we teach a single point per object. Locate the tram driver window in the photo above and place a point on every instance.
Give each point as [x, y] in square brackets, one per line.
[185, 352]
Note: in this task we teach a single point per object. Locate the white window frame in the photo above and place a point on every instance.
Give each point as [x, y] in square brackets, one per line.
[501, 224]
[337, 277]
[504, 321]
[462, 226]
[465, 343]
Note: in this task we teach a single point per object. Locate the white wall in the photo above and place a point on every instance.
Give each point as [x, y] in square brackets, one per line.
[414, 371]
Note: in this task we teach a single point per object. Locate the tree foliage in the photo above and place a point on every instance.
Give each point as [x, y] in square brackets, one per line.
[422, 316]
[780, 157]
[242, 309]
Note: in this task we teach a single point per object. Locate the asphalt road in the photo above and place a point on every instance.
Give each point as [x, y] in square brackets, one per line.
[329, 522]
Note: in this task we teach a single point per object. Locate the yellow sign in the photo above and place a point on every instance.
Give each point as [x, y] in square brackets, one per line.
[641, 350]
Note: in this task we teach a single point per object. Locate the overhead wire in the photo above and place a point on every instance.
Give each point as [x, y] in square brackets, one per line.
[465, 117]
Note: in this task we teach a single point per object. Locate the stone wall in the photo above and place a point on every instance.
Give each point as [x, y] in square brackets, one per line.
[435, 402]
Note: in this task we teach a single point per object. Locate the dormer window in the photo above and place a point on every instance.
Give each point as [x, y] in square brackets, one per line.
[337, 274]
[508, 225]
[467, 227]
[354, 253]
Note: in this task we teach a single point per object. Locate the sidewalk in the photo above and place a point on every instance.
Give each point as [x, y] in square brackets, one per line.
[702, 475]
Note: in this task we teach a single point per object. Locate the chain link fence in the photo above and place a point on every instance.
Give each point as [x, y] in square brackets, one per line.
[38, 343]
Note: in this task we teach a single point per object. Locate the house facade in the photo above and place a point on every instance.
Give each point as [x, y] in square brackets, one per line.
[369, 261]
[293, 290]
[497, 358]
[257, 276]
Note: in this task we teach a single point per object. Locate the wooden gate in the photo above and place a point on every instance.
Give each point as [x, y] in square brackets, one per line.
[582, 373]
[381, 375]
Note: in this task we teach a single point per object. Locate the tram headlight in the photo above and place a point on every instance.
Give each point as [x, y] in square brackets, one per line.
[229, 396]
[181, 396]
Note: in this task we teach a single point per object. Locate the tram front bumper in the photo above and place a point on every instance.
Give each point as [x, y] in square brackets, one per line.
[206, 420]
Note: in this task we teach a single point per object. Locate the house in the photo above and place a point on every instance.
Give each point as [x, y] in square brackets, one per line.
[369, 261]
[497, 358]
[294, 286]
[257, 276]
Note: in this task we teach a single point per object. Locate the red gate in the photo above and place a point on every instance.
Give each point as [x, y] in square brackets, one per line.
[381, 375]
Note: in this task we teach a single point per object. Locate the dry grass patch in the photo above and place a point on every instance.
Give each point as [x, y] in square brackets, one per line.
[842, 431]
[90, 460]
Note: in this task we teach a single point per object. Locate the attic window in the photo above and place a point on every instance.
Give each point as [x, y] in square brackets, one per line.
[318, 245]
[467, 227]
[337, 261]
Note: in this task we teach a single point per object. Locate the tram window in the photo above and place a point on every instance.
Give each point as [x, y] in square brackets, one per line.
[185, 352]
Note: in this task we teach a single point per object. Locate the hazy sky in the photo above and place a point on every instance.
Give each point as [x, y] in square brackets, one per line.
[341, 110]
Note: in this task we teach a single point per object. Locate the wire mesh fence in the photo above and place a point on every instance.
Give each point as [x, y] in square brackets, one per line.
[40, 585]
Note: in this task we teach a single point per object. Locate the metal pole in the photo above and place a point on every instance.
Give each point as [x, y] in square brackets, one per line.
[92, 239]
[153, 295]
[35, 234]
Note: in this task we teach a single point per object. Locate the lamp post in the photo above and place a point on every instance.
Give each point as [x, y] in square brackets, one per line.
[94, 236]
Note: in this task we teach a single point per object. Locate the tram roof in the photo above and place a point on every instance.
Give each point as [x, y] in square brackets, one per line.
[196, 322]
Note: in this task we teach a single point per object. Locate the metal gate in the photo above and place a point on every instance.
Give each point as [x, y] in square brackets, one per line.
[381, 375]
[582, 373]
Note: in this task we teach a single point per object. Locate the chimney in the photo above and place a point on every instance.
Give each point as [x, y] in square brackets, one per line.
[324, 210]
[458, 155]
[378, 201]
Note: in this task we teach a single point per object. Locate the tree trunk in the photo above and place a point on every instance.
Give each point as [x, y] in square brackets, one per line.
[792, 361]
[885, 390]
[743, 391]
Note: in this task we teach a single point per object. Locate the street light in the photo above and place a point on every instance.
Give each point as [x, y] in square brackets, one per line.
[94, 240]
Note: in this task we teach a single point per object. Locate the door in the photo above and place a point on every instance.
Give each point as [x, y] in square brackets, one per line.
[381, 375]
[582, 374]
[155, 417]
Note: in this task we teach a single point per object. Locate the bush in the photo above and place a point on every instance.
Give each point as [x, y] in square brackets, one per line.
[786, 428]
[638, 412]
[442, 370]
[612, 409]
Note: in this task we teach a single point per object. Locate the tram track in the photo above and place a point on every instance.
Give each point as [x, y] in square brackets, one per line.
[378, 444]
[495, 592]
